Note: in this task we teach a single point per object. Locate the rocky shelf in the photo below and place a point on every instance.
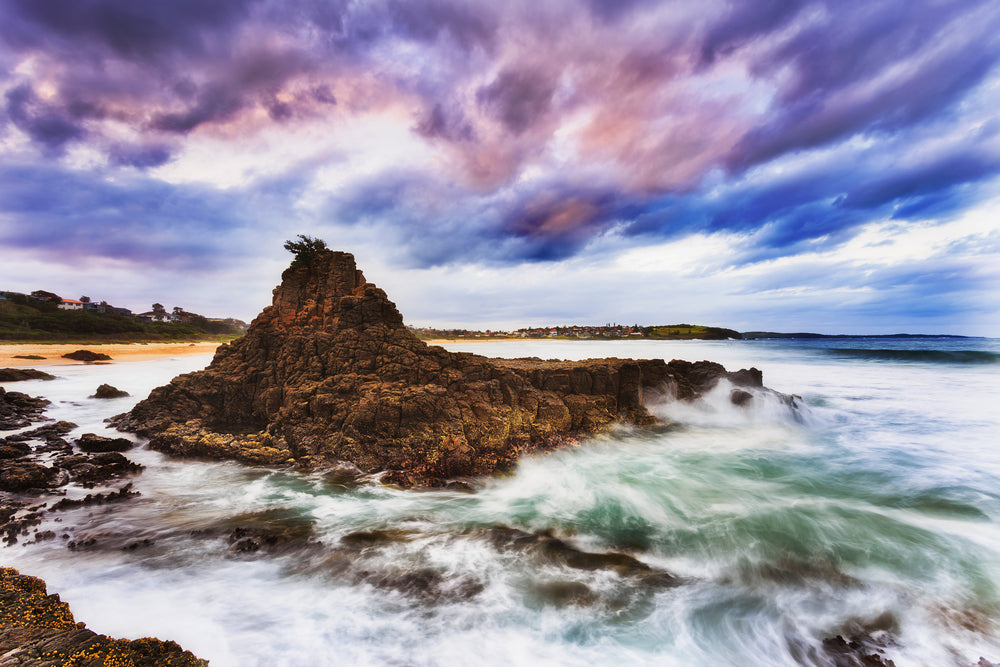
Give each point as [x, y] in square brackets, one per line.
[38, 629]
[329, 373]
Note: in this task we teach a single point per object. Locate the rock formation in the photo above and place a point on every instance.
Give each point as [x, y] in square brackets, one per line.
[87, 356]
[39, 629]
[329, 373]
[19, 374]
[109, 391]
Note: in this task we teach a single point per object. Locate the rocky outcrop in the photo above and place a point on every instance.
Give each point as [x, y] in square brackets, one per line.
[91, 442]
[329, 373]
[18, 410]
[39, 629]
[19, 374]
[87, 356]
[109, 391]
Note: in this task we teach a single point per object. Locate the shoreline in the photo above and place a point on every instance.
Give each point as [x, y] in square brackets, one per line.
[119, 352]
[551, 339]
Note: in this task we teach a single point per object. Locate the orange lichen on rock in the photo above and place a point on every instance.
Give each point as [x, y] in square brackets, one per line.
[38, 629]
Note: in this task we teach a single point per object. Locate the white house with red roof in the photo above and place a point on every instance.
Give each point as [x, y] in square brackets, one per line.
[71, 304]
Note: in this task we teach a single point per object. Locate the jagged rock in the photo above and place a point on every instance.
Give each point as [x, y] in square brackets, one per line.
[329, 373]
[39, 629]
[13, 449]
[25, 475]
[18, 410]
[121, 494]
[91, 442]
[107, 391]
[51, 434]
[86, 355]
[19, 374]
[88, 471]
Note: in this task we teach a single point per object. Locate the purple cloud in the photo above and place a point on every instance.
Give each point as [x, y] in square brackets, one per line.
[553, 124]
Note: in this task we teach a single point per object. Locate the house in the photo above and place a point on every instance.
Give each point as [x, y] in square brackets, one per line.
[157, 316]
[71, 304]
[124, 312]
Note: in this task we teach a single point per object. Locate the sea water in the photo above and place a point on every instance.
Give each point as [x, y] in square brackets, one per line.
[872, 511]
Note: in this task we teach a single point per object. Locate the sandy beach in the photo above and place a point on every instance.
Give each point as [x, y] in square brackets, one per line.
[119, 352]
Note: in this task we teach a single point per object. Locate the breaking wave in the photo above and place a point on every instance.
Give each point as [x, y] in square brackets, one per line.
[926, 356]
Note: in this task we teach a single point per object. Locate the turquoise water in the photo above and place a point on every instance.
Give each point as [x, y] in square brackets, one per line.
[872, 512]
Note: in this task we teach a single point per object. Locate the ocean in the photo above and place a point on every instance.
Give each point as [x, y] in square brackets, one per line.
[871, 512]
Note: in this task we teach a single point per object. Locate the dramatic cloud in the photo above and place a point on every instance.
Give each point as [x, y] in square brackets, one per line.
[455, 133]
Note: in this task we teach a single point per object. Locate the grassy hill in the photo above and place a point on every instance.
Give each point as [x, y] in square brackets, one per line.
[30, 320]
[689, 331]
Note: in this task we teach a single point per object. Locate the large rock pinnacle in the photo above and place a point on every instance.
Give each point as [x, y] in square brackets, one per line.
[329, 373]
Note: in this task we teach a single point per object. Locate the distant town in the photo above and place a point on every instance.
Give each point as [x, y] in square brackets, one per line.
[587, 332]
[43, 315]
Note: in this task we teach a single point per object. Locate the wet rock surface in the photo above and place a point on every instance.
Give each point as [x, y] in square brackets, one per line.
[18, 410]
[121, 494]
[39, 629]
[108, 391]
[855, 652]
[330, 373]
[91, 442]
[38, 466]
[19, 374]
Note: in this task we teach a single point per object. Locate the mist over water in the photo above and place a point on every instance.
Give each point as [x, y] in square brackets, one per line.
[871, 511]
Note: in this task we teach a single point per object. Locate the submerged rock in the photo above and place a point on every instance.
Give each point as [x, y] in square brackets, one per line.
[855, 653]
[39, 629]
[330, 373]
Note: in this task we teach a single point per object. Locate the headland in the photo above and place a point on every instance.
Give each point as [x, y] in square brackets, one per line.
[329, 374]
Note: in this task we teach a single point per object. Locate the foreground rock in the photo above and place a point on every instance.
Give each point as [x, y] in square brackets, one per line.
[38, 629]
[19, 374]
[329, 373]
[18, 410]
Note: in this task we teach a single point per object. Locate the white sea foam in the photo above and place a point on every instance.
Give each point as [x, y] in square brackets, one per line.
[871, 507]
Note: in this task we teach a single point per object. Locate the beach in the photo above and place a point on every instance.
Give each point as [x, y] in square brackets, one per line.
[119, 352]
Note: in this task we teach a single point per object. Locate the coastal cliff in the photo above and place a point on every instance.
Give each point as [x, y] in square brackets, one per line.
[329, 373]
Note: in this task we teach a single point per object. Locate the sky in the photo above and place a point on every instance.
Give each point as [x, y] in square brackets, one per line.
[828, 166]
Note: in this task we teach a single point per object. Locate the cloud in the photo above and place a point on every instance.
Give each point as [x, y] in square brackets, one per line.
[46, 124]
[518, 97]
[139, 156]
[105, 28]
[75, 216]
[534, 132]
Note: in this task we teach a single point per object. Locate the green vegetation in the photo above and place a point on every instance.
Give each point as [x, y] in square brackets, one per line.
[589, 332]
[305, 249]
[23, 319]
[689, 331]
